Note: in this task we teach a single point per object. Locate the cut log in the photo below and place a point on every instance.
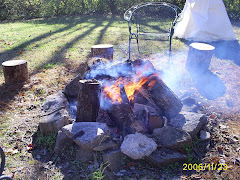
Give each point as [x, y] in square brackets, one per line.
[164, 98]
[199, 57]
[88, 101]
[148, 116]
[15, 71]
[122, 116]
[102, 50]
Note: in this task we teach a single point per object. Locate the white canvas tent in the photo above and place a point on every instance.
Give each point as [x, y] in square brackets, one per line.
[204, 20]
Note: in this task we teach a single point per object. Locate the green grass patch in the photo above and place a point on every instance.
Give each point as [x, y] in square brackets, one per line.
[46, 140]
[46, 43]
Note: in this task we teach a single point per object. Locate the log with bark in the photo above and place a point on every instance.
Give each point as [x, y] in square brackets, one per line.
[102, 50]
[122, 116]
[164, 98]
[88, 101]
[148, 116]
[199, 57]
[15, 71]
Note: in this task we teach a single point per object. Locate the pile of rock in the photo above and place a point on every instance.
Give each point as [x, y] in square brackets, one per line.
[160, 148]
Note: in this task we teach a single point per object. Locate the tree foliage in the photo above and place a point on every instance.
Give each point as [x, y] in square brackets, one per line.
[25, 9]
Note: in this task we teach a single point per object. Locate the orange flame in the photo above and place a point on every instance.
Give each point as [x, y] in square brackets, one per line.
[131, 87]
[114, 91]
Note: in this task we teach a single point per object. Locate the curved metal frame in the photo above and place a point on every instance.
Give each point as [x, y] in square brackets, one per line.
[2, 166]
[128, 16]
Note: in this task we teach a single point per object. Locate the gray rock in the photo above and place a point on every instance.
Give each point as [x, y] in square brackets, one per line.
[114, 159]
[105, 145]
[165, 157]
[190, 105]
[54, 122]
[171, 137]
[188, 121]
[62, 141]
[54, 103]
[87, 134]
[204, 135]
[138, 146]
[188, 101]
[72, 88]
[84, 155]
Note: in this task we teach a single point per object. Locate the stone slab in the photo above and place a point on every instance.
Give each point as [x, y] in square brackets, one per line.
[54, 122]
[87, 134]
[189, 121]
[54, 103]
[170, 137]
[72, 88]
[164, 157]
[137, 146]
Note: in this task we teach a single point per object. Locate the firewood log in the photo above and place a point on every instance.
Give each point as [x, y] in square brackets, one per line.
[199, 57]
[102, 50]
[148, 116]
[164, 98]
[88, 101]
[122, 116]
[15, 71]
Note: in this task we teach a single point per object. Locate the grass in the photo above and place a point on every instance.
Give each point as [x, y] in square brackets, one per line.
[56, 50]
[46, 140]
[99, 173]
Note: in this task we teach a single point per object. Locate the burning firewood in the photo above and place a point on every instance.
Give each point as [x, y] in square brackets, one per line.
[164, 97]
[148, 116]
[122, 116]
[88, 101]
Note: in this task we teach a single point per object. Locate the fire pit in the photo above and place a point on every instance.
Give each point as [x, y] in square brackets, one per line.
[121, 108]
[129, 95]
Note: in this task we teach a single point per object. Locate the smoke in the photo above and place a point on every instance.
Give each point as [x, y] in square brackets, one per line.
[111, 69]
[177, 78]
[115, 75]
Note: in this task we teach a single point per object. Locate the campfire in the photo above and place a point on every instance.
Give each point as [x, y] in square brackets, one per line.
[129, 96]
[121, 107]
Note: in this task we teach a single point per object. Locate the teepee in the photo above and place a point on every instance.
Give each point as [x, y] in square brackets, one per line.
[204, 20]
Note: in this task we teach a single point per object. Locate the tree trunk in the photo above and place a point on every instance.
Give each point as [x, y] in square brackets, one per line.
[15, 71]
[88, 101]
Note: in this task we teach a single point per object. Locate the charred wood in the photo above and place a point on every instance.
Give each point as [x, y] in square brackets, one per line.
[164, 98]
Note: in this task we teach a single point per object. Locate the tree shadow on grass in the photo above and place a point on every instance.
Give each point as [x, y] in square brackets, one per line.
[103, 31]
[59, 56]
[7, 93]
[13, 53]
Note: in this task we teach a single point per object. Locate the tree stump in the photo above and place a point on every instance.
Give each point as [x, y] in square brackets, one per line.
[15, 71]
[102, 51]
[88, 101]
[199, 57]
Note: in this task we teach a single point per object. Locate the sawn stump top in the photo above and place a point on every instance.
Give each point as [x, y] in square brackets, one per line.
[202, 46]
[102, 46]
[13, 62]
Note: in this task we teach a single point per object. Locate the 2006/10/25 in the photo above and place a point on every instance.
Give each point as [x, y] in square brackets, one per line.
[202, 167]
